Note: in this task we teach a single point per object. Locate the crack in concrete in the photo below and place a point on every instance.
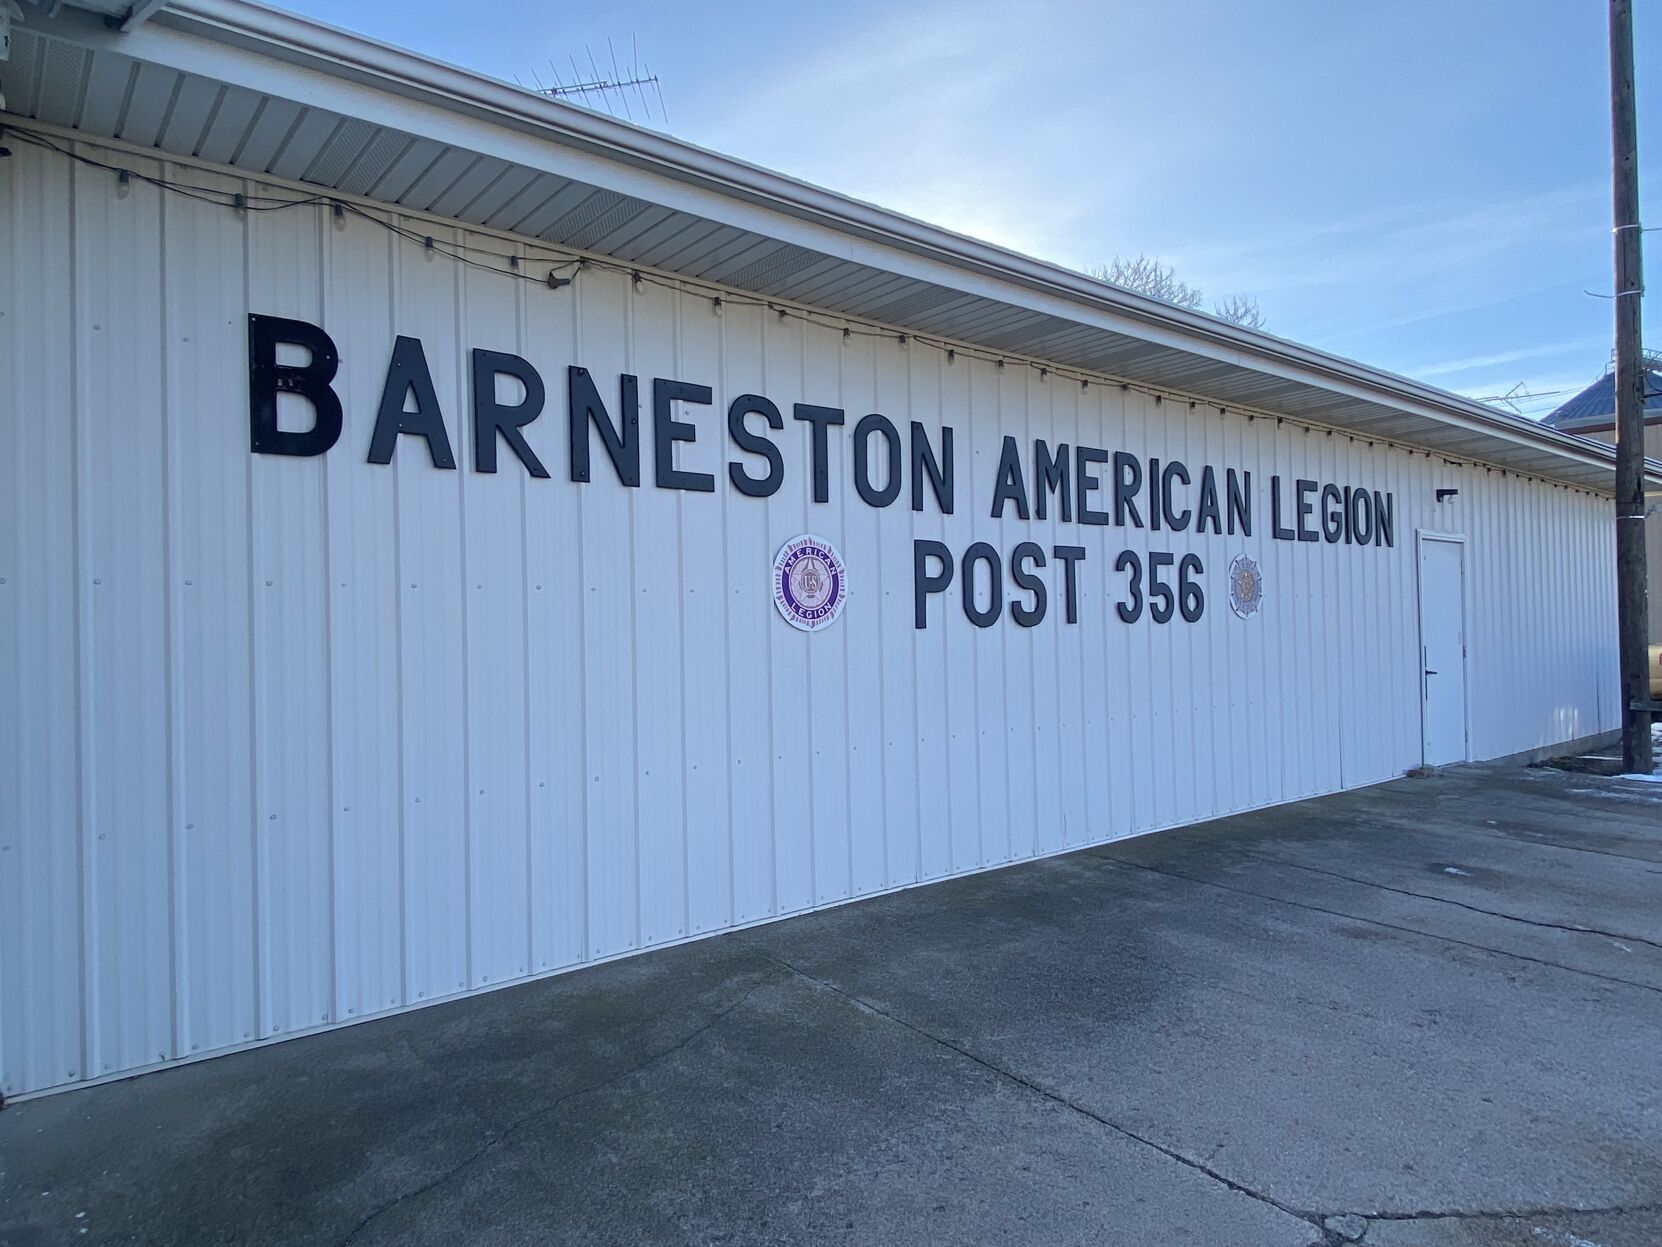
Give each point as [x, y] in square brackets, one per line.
[1476, 909]
[1523, 837]
[1390, 826]
[1109, 859]
[1503, 1214]
[1055, 1097]
[519, 1123]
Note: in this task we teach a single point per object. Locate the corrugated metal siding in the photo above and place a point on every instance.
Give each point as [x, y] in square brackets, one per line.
[292, 742]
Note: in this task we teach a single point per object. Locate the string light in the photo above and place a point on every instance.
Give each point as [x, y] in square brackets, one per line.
[459, 252]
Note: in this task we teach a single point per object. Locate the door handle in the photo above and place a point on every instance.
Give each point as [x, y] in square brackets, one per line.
[1429, 671]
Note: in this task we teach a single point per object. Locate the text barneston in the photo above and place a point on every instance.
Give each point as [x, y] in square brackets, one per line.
[1085, 485]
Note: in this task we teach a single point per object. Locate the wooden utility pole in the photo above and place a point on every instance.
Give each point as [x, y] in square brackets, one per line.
[1631, 609]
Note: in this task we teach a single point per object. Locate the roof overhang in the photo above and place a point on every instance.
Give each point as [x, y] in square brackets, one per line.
[239, 85]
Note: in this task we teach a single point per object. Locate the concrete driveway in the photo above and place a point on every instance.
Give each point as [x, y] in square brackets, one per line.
[1427, 1013]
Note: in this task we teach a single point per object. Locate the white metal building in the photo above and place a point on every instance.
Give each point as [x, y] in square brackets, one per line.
[382, 621]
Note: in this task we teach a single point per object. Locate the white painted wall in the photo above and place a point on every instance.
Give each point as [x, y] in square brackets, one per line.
[287, 742]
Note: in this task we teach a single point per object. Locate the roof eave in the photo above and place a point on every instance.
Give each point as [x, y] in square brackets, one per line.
[269, 40]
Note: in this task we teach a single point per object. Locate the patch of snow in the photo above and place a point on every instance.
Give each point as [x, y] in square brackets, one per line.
[1620, 794]
[1621, 946]
[1455, 870]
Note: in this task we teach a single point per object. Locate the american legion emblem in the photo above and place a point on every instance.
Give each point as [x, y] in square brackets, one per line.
[810, 583]
[1246, 586]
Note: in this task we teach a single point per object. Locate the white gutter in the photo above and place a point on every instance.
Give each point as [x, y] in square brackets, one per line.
[341, 54]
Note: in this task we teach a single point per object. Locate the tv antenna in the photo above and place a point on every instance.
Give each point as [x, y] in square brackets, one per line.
[607, 92]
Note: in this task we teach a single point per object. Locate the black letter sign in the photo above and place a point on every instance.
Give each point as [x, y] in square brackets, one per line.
[267, 378]
[925, 582]
[667, 430]
[491, 417]
[408, 374]
[623, 444]
[821, 418]
[876, 423]
[755, 444]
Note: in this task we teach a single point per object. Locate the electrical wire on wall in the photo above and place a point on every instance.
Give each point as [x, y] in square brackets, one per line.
[563, 272]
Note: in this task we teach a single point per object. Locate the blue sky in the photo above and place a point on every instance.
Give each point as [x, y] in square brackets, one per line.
[1420, 186]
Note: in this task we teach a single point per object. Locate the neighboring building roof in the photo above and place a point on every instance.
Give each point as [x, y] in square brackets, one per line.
[283, 97]
[1594, 409]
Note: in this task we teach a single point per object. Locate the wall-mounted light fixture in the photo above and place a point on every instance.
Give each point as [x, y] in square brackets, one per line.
[1443, 495]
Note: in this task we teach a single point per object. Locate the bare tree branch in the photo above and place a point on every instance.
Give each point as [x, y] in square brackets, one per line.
[1240, 309]
[1146, 275]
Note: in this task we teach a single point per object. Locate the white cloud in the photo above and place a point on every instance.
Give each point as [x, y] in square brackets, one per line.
[913, 111]
[1454, 367]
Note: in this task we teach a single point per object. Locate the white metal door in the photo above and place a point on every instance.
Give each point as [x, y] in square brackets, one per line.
[1443, 649]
